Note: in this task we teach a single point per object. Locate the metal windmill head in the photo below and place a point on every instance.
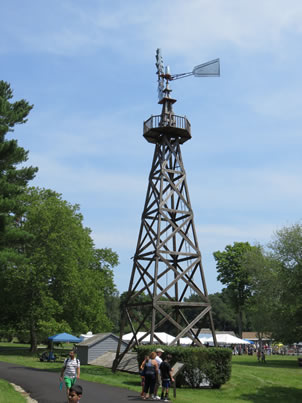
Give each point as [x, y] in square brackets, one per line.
[207, 69]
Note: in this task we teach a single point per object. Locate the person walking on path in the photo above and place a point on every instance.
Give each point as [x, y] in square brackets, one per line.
[151, 371]
[166, 377]
[71, 371]
[158, 359]
[42, 385]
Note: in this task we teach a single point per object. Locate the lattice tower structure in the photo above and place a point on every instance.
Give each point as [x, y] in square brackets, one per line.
[167, 265]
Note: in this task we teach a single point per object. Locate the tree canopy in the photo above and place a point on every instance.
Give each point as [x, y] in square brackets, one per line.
[264, 289]
[233, 273]
[286, 249]
[265, 284]
[13, 178]
[63, 280]
[52, 278]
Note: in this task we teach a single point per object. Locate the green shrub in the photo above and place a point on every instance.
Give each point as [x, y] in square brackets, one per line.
[202, 365]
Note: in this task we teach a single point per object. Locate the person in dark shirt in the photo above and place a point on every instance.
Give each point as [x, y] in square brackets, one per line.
[166, 377]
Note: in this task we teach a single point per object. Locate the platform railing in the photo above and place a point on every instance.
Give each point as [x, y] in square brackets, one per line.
[167, 120]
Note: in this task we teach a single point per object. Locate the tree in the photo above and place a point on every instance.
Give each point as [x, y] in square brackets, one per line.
[105, 260]
[262, 305]
[13, 180]
[233, 273]
[224, 315]
[142, 311]
[63, 279]
[286, 248]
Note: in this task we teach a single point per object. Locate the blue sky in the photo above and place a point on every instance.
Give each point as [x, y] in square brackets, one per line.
[88, 68]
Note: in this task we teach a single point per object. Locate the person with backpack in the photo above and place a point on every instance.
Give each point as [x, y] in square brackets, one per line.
[70, 371]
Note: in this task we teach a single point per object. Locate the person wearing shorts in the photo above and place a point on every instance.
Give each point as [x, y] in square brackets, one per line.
[166, 377]
[71, 371]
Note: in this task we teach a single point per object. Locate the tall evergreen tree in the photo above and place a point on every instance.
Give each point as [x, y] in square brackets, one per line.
[13, 179]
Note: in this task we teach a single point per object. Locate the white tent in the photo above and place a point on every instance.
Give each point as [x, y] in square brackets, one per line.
[225, 338]
[164, 337]
[187, 341]
[204, 339]
[86, 336]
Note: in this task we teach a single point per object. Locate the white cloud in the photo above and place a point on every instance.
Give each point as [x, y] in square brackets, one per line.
[280, 103]
[182, 27]
[69, 178]
[214, 237]
[247, 189]
[194, 24]
[117, 239]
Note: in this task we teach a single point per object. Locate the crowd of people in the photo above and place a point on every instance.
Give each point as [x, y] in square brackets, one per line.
[261, 351]
[251, 349]
[156, 372]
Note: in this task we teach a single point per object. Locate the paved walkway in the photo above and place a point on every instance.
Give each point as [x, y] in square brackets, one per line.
[43, 386]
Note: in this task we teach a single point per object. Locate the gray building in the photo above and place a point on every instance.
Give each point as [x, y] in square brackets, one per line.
[97, 345]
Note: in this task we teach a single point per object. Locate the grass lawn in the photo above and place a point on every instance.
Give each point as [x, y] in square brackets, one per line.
[278, 381]
[8, 393]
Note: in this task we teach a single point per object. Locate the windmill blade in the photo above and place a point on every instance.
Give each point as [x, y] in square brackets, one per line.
[159, 62]
[208, 69]
[160, 71]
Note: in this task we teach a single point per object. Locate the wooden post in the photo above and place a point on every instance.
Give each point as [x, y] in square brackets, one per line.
[177, 367]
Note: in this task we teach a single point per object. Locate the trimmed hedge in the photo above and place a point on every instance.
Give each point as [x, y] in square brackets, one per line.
[212, 365]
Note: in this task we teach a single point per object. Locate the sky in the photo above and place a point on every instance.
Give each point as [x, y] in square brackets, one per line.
[89, 69]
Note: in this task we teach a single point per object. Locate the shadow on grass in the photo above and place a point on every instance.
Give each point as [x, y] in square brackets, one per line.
[127, 379]
[269, 394]
[34, 369]
[60, 354]
[96, 370]
[16, 351]
[131, 383]
[292, 364]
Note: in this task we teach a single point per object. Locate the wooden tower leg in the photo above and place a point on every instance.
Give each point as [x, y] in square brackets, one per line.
[167, 267]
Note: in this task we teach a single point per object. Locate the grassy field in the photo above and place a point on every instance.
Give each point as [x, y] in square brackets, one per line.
[8, 393]
[279, 380]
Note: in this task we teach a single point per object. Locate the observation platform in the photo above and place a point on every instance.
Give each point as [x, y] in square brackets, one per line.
[167, 124]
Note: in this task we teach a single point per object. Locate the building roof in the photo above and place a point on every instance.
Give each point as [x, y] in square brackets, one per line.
[208, 332]
[255, 336]
[97, 338]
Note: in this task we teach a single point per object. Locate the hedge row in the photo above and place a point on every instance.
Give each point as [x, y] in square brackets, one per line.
[202, 365]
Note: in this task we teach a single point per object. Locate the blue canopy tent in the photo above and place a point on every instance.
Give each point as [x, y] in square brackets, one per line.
[58, 338]
[250, 341]
[64, 338]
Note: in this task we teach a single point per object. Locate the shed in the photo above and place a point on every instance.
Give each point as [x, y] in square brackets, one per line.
[97, 345]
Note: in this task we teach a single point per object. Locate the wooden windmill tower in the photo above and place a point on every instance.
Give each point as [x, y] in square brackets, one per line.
[167, 267]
